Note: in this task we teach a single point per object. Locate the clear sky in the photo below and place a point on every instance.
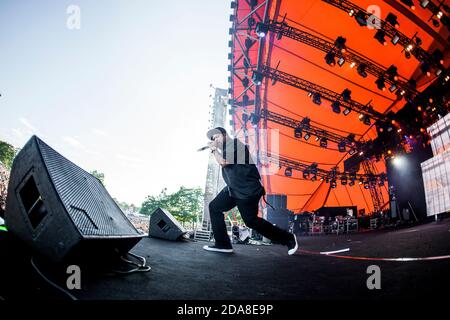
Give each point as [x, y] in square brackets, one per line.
[127, 94]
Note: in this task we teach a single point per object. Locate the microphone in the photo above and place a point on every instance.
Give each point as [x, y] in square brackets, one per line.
[202, 148]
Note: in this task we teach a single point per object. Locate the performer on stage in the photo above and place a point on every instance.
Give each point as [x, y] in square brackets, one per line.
[243, 190]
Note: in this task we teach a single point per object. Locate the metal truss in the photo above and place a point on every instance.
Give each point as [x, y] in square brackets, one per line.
[374, 188]
[390, 31]
[349, 56]
[325, 175]
[307, 128]
[325, 93]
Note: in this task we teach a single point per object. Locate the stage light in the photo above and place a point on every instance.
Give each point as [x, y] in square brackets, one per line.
[298, 132]
[409, 3]
[409, 47]
[407, 55]
[392, 19]
[245, 100]
[379, 35]
[351, 183]
[288, 172]
[251, 22]
[392, 73]
[392, 88]
[340, 43]
[438, 56]
[362, 70]
[317, 98]
[351, 13]
[346, 95]
[352, 64]
[361, 153]
[361, 180]
[248, 43]
[436, 23]
[254, 119]
[330, 58]
[361, 18]
[333, 183]
[341, 61]
[346, 111]
[395, 39]
[306, 137]
[424, 3]
[305, 123]
[366, 184]
[314, 178]
[399, 162]
[245, 82]
[341, 146]
[323, 142]
[366, 120]
[438, 72]
[344, 180]
[261, 29]
[257, 78]
[425, 68]
[439, 15]
[418, 41]
[336, 107]
[380, 83]
[352, 152]
[317, 138]
[305, 174]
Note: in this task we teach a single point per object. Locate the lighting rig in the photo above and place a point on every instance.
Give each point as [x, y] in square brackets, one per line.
[340, 53]
[411, 46]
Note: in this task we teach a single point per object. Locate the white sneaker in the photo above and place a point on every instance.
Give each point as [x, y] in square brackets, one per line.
[292, 246]
[218, 249]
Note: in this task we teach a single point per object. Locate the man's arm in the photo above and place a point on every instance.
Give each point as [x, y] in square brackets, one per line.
[220, 160]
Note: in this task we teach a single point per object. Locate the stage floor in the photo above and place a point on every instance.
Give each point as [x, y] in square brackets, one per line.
[183, 270]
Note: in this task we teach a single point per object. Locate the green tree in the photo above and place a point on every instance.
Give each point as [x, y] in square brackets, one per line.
[99, 175]
[7, 154]
[185, 204]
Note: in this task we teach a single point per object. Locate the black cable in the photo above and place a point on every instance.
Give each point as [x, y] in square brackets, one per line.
[71, 296]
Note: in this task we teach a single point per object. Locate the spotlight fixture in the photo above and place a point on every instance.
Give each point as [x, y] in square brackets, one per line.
[254, 119]
[392, 73]
[380, 36]
[351, 12]
[288, 172]
[395, 39]
[351, 183]
[245, 82]
[365, 119]
[257, 78]
[343, 180]
[392, 88]
[362, 70]
[314, 177]
[425, 68]
[317, 98]
[305, 174]
[261, 29]
[366, 184]
[307, 136]
[436, 23]
[323, 142]
[330, 58]
[438, 56]
[346, 111]
[352, 64]
[361, 18]
[380, 83]
[392, 19]
[418, 41]
[361, 180]
[407, 55]
[341, 146]
[336, 107]
[298, 132]
[306, 123]
[341, 61]
[409, 3]
[346, 95]
[424, 3]
[333, 183]
[340, 43]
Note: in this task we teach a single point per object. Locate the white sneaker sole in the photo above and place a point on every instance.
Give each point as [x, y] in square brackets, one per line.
[208, 248]
[294, 249]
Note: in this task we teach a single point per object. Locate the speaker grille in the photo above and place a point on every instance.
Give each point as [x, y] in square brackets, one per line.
[86, 200]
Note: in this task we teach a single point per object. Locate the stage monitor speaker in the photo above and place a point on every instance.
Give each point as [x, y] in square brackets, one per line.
[278, 201]
[164, 226]
[280, 217]
[57, 208]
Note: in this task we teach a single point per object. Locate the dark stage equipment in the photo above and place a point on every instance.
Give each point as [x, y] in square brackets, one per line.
[280, 217]
[332, 212]
[164, 226]
[58, 208]
[278, 201]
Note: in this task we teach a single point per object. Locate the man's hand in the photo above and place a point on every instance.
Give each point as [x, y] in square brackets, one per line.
[212, 145]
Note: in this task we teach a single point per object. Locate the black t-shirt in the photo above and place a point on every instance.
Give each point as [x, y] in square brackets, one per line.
[241, 174]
